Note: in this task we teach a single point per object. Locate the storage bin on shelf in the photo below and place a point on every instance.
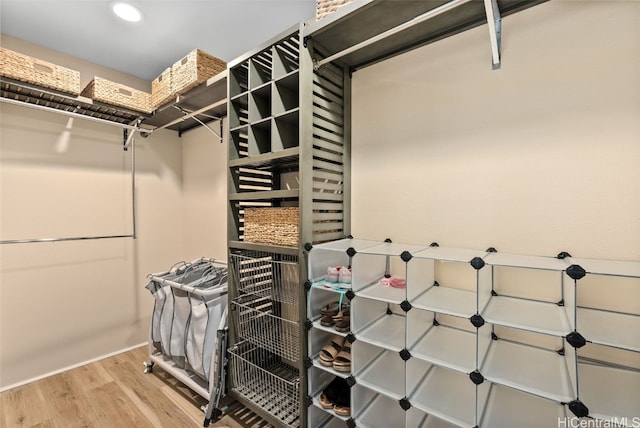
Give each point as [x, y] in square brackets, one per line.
[161, 89]
[271, 225]
[326, 7]
[193, 69]
[116, 94]
[38, 72]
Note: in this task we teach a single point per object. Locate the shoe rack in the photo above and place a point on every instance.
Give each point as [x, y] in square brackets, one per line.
[477, 338]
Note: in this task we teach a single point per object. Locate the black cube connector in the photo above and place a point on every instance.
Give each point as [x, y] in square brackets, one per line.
[435, 322]
[491, 250]
[349, 237]
[476, 377]
[406, 256]
[351, 338]
[388, 241]
[308, 324]
[350, 295]
[436, 284]
[477, 320]
[493, 293]
[576, 272]
[351, 252]
[405, 306]
[405, 404]
[351, 423]
[477, 263]
[307, 285]
[405, 354]
[576, 340]
[563, 255]
[560, 351]
[434, 244]
[389, 311]
[308, 401]
[308, 363]
[308, 247]
[494, 336]
[351, 381]
[578, 408]
[560, 303]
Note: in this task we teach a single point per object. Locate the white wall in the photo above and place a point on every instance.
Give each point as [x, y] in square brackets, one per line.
[65, 303]
[204, 189]
[538, 157]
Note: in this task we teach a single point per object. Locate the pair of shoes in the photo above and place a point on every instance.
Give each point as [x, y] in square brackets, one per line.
[339, 274]
[337, 396]
[336, 315]
[337, 353]
[394, 281]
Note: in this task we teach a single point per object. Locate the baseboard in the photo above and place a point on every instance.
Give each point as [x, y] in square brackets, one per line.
[84, 363]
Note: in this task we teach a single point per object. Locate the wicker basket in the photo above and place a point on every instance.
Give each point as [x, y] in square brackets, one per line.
[194, 69]
[161, 89]
[41, 73]
[276, 226]
[115, 94]
[325, 7]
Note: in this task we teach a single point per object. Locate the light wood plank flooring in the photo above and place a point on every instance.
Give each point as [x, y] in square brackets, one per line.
[113, 393]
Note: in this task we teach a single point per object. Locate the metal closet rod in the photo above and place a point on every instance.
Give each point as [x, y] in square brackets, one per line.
[417, 20]
[78, 238]
[130, 141]
[70, 113]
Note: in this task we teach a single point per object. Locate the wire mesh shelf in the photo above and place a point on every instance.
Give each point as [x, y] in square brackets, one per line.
[268, 324]
[262, 378]
[267, 275]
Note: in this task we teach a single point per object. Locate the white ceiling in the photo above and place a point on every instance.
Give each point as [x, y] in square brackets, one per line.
[88, 30]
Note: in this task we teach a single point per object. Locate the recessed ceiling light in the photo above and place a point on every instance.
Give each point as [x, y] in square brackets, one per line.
[126, 11]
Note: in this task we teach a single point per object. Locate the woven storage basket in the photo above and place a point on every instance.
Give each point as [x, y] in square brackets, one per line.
[37, 72]
[325, 7]
[161, 89]
[276, 226]
[115, 94]
[193, 69]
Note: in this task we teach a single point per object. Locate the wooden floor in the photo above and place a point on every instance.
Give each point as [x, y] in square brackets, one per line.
[114, 393]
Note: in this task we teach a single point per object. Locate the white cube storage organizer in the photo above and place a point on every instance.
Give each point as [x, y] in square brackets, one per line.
[479, 338]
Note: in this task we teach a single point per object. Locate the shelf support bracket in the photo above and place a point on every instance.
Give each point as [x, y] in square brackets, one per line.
[192, 115]
[495, 30]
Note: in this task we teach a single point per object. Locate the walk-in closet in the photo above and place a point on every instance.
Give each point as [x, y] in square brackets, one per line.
[320, 214]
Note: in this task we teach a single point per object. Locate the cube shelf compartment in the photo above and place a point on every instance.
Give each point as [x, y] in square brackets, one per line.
[373, 410]
[446, 394]
[480, 338]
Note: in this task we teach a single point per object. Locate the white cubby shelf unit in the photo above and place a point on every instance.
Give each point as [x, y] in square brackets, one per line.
[477, 338]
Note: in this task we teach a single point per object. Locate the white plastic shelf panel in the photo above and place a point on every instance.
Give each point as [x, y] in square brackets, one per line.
[448, 347]
[534, 370]
[448, 254]
[374, 410]
[393, 249]
[418, 419]
[609, 267]
[448, 395]
[610, 392]
[371, 323]
[540, 317]
[328, 329]
[511, 408]
[383, 293]
[447, 300]
[333, 253]
[378, 369]
[610, 328]
[524, 261]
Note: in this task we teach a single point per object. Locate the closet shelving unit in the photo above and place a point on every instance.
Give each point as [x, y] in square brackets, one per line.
[202, 104]
[482, 338]
[288, 146]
